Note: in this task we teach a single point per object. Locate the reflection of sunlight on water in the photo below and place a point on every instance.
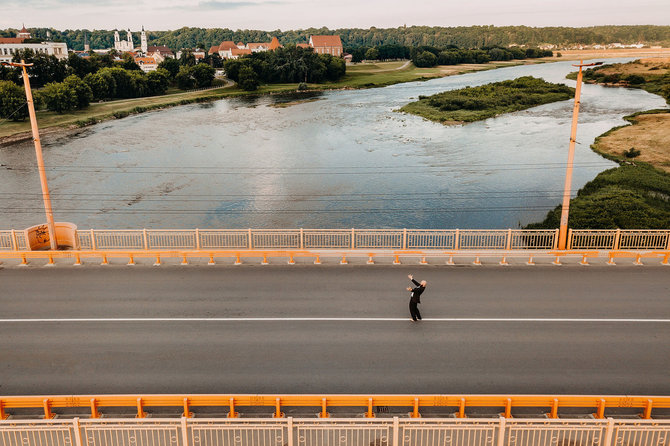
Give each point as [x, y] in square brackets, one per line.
[346, 161]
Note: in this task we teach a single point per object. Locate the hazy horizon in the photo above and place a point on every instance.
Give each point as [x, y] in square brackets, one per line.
[164, 15]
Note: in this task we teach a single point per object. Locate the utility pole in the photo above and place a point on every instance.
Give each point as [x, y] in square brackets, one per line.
[563, 229]
[38, 152]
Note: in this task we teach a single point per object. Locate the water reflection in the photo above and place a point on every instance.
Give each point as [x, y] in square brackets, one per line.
[345, 160]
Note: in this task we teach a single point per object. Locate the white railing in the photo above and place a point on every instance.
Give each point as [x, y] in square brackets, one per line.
[389, 431]
[360, 239]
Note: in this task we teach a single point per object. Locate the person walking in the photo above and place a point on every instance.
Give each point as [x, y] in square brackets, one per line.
[415, 297]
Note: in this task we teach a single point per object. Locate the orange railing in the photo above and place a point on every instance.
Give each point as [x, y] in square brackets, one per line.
[507, 403]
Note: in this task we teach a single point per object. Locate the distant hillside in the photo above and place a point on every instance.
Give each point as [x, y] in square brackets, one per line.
[412, 36]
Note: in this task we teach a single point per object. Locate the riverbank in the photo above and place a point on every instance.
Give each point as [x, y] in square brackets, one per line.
[358, 76]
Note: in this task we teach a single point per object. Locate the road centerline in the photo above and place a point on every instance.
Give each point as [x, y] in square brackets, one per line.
[331, 319]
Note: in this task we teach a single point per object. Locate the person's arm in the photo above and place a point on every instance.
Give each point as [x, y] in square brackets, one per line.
[415, 282]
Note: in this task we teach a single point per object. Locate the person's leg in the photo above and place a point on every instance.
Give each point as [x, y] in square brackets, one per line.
[412, 310]
[418, 313]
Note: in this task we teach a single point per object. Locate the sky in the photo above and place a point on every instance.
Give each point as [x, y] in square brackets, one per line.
[270, 15]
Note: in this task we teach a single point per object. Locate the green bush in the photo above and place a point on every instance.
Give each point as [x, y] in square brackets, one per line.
[248, 80]
[81, 89]
[59, 97]
[12, 101]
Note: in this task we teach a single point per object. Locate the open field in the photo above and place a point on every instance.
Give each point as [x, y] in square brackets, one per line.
[650, 134]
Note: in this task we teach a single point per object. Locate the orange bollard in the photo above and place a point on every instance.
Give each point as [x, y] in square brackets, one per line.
[503, 262]
[508, 408]
[415, 411]
[184, 260]
[187, 412]
[237, 259]
[324, 413]
[369, 413]
[371, 261]
[77, 260]
[601, 409]
[396, 260]
[423, 261]
[140, 410]
[94, 409]
[232, 413]
[344, 260]
[638, 260]
[610, 260]
[477, 262]
[278, 412]
[665, 260]
[265, 259]
[3, 415]
[24, 261]
[211, 259]
[51, 261]
[290, 259]
[647, 410]
[158, 260]
[557, 262]
[317, 260]
[131, 260]
[451, 260]
[530, 261]
[554, 409]
[461, 408]
[47, 410]
[584, 262]
[104, 260]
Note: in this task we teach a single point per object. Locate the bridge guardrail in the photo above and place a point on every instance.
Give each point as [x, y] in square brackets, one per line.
[365, 239]
[291, 431]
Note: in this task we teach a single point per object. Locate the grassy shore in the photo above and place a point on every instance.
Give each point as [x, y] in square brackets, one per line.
[358, 76]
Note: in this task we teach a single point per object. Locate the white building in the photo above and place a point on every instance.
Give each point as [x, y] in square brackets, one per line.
[123, 46]
[11, 45]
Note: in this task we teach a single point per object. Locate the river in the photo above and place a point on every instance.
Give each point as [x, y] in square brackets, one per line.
[345, 160]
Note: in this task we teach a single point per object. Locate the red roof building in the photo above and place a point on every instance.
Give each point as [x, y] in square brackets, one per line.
[326, 45]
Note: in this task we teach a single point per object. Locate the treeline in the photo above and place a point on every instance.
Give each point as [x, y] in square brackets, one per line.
[72, 83]
[451, 55]
[411, 36]
[656, 80]
[290, 64]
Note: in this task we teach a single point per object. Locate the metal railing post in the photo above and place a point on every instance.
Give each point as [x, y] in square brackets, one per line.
[569, 245]
[457, 239]
[501, 431]
[396, 431]
[145, 239]
[404, 238]
[251, 245]
[15, 245]
[668, 245]
[508, 245]
[289, 428]
[617, 239]
[302, 239]
[197, 239]
[556, 236]
[93, 247]
[353, 239]
[76, 431]
[184, 431]
[609, 432]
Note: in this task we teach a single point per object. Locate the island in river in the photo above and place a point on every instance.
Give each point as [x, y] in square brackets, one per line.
[471, 104]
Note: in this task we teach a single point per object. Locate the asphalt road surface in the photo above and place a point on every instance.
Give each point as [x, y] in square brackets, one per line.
[334, 329]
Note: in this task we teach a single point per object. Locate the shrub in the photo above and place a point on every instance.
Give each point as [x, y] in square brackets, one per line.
[635, 79]
[12, 101]
[59, 97]
[631, 153]
[302, 86]
[81, 89]
[248, 80]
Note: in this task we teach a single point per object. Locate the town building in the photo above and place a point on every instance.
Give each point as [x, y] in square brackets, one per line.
[231, 50]
[326, 45]
[164, 51]
[123, 46]
[146, 63]
[9, 46]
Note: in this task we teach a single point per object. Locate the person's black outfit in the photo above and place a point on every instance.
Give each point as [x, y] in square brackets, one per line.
[415, 299]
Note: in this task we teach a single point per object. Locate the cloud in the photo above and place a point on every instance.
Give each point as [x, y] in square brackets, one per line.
[226, 5]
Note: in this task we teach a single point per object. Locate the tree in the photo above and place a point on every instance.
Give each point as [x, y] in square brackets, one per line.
[372, 54]
[78, 65]
[45, 68]
[59, 97]
[123, 86]
[101, 86]
[203, 75]
[425, 59]
[335, 67]
[12, 101]
[232, 68]
[248, 80]
[187, 58]
[129, 63]
[158, 81]
[184, 79]
[171, 65]
[82, 90]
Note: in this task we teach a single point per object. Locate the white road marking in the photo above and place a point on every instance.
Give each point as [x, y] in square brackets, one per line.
[328, 319]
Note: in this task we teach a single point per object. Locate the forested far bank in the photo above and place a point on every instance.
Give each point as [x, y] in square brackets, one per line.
[410, 36]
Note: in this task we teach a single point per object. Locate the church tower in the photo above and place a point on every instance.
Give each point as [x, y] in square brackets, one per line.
[87, 47]
[143, 41]
[130, 45]
[117, 41]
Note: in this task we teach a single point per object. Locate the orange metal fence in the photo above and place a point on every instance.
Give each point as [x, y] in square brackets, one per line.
[553, 403]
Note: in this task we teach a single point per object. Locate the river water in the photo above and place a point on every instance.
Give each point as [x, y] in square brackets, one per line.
[344, 160]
